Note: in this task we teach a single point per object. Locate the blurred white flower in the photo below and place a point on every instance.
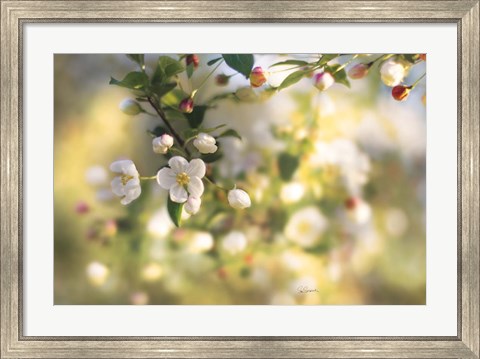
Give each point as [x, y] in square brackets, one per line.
[292, 192]
[97, 273]
[353, 164]
[152, 272]
[292, 260]
[192, 206]
[127, 185]
[357, 210]
[306, 226]
[139, 298]
[160, 224]
[234, 242]
[104, 195]
[238, 198]
[96, 175]
[182, 178]
[201, 242]
[205, 143]
[392, 73]
[396, 221]
[162, 143]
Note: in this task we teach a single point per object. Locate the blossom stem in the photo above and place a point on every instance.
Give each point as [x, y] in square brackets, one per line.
[210, 180]
[345, 64]
[148, 178]
[174, 133]
[416, 82]
[206, 78]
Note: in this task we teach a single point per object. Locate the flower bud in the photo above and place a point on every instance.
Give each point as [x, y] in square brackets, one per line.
[423, 57]
[193, 59]
[162, 144]
[192, 206]
[400, 93]
[222, 79]
[257, 77]
[205, 143]
[323, 80]
[358, 71]
[130, 107]
[239, 199]
[246, 94]
[82, 207]
[186, 105]
[392, 73]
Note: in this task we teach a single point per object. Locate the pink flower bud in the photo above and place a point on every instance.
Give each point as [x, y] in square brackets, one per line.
[257, 77]
[82, 207]
[186, 105]
[358, 71]
[400, 92]
[193, 59]
[323, 80]
[423, 57]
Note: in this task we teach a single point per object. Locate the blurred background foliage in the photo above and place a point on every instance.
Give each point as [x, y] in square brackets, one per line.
[345, 226]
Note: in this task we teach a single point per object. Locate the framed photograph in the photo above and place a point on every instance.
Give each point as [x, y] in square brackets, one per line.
[240, 179]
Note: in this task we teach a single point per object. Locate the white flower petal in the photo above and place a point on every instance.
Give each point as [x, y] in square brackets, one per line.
[166, 178]
[117, 187]
[178, 194]
[132, 194]
[178, 164]
[195, 187]
[192, 206]
[196, 168]
[120, 166]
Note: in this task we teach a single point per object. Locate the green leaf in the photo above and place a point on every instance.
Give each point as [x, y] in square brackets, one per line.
[174, 211]
[190, 69]
[212, 157]
[214, 61]
[166, 68]
[326, 58]
[339, 76]
[242, 63]
[195, 118]
[291, 62]
[133, 80]
[162, 89]
[173, 98]
[230, 133]
[287, 164]
[210, 129]
[293, 78]
[138, 58]
[158, 131]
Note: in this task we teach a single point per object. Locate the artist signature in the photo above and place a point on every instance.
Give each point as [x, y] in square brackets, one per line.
[305, 289]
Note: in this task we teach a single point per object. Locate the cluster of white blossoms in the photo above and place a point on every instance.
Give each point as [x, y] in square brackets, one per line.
[182, 179]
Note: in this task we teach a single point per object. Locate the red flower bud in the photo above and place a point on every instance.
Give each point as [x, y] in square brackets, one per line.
[193, 59]
[222, 79]
[352, 202]
[257, 77]
[400, 92]
[323, 80]
[423, 57]
[358, 71]
[186, 105]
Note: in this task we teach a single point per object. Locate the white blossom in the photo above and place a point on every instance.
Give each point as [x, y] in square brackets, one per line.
[392, 73]
[96, 175]
[201, 242]
[183, 178]
[234, 242]
[238, 198]
[205, 143]
[306, 227]
[97, 273]
[162, 143]
[127, 185]
[192, 206]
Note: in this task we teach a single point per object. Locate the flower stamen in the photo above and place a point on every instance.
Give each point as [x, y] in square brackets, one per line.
[125, 178]
[183, 179]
